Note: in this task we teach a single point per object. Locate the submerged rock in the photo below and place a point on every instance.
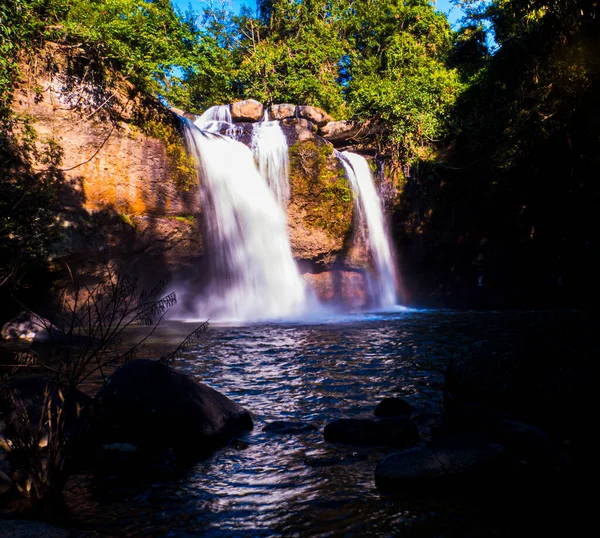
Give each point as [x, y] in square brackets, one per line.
[393, 432]
[391, 407]
[248, 110]
[288, 427]
[154, 407]
[442, 461]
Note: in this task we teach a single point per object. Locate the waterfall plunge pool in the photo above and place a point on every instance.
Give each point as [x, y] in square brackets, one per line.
[317, 372]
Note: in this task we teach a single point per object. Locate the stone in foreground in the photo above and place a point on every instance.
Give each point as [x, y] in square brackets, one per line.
[439, 463]
[154, 407]
[391, 407]
[394, 432]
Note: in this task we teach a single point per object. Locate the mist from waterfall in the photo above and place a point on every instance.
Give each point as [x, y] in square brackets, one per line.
[253, 275]
[271, 152]
[370, 211]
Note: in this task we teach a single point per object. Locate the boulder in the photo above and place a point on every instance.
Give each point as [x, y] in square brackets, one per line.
[391, 407]
[438, 463]
[395, 432]
[26, 326]
[341, 132]
[281, 112]
[314, 114]
[154, 407]
[248, 110]
[301, 129]
[288, 427]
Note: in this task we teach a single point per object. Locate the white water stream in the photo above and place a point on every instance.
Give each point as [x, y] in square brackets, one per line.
[271, 152]
[368, 203]
[253, 275]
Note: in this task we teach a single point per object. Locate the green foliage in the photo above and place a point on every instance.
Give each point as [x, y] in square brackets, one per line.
[398, 73]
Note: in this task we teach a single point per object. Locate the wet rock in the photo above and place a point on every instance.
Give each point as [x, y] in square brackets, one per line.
[5, 482]
[288, 427]
[155, 407]
[26, 326]
[240, 444]
[314, 114]
[439, 462]
[282, 111]
[248, 110]
[338, 458]
[390, 407]
[393, 432]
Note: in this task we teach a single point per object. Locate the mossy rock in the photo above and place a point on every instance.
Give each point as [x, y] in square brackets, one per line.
[318, 182]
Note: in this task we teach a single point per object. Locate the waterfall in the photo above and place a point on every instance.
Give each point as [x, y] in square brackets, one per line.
[368, 203]
[253, 274]
[217, 119]
[271, 152]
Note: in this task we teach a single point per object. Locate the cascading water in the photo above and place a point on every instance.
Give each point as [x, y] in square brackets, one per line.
[271, 152]
[253, 273]
[217, 119]
[371, 214]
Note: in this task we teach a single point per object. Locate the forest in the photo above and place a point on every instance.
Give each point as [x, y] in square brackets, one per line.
[492, 127]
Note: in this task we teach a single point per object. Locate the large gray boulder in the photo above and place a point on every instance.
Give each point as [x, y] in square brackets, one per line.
[342, 132]
[154, 407]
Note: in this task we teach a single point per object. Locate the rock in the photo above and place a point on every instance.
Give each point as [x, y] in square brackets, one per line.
[248, 110]
[26, 326]
[281, 112]
[155, 407]
[441, 461]
[304, 129]
[395, 432]
[288, 427]
[5, 483]
[340, 133]
[390, 407]
[314, 114]
[526, 442]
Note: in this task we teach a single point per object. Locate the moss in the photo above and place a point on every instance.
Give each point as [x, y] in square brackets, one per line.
[181, 164]
[127, 219]
[188, 219]
[320, 186]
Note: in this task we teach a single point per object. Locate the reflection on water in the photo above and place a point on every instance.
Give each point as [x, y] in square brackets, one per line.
[312, 372]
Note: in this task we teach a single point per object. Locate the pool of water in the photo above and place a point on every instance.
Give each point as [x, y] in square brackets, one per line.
[316, 372]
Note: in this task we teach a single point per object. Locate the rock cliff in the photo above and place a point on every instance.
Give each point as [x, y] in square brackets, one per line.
[129, 191]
